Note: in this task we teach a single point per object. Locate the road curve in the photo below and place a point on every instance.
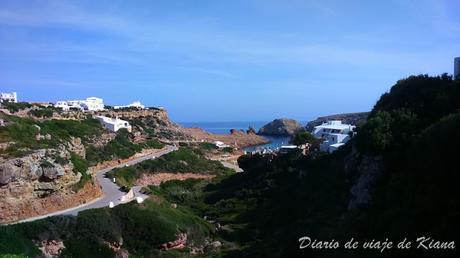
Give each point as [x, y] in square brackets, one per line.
[111, 191]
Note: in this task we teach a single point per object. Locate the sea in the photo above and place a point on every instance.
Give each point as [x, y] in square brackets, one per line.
[225, 127]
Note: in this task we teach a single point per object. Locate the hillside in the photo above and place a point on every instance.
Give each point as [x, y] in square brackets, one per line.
[397, 178]
[46, 160]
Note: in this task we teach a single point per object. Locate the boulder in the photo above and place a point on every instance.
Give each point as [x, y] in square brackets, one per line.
[7, 173]
[52, 173]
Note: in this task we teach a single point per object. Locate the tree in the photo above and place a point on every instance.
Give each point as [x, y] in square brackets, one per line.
[303, 138]
[375, 135]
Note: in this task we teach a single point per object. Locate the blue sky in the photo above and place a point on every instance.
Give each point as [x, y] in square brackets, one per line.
[238, 60]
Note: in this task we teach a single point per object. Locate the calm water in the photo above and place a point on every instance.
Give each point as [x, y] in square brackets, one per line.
[225, 127]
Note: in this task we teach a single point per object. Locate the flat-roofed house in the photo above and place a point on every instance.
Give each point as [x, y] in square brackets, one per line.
[334, 133]
[89, 104]
[9, 97]
[114, 124]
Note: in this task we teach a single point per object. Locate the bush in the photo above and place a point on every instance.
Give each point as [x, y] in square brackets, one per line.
[155, 144]
[227, 149]
[42, 112]
[208, 146]
[303, 137]
[15, 107]
[80, 165]
[120, 147]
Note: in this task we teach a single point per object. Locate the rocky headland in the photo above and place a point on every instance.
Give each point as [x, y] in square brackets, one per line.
[281, 127]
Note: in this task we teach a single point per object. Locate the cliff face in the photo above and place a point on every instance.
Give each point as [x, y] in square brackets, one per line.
[41, 182]
[363, 172]
[281, 127]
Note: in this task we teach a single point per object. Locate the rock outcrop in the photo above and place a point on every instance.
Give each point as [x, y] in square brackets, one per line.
[281, 127]
[29, 182]
[363, 172]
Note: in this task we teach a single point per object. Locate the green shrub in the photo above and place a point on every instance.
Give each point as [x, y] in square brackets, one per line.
[155, 144]
[227, 149]
[15, 107]
[42, 112]
[303, 137]
[208, 146]
[80, 165]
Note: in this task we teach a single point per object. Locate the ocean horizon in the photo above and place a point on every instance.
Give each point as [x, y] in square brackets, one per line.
[225, 127]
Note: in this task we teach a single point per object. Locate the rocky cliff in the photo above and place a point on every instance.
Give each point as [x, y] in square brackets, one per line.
[281, 127]
[28, 184]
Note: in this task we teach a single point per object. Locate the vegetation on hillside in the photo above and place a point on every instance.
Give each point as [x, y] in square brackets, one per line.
[183, 160]
[80, 165]
[142, 228]
[15, 107]
[22, 132]
[121, 147]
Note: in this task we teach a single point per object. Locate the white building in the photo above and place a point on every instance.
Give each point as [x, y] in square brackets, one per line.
[220, 144]
[114, 124]
[285, 149]
[93, 104]
[456, 67]
[334, 133]
[90, 104]
[135, 104]
[9, 97]
[67, 105]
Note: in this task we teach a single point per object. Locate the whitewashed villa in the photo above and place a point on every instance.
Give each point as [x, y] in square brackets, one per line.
[89, 104]
[334, 133]
[8, 97]
[114, 124]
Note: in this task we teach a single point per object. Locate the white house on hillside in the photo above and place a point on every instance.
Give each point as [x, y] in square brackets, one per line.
[89, 104]
[220, 144]
[334, 133]
[9, 97]
[93, 104]
[135, 104]
[114, 124]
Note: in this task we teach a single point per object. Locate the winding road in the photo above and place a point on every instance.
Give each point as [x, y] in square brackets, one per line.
[111, 191]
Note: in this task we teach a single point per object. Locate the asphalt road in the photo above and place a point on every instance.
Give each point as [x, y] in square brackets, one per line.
[111, 191]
